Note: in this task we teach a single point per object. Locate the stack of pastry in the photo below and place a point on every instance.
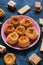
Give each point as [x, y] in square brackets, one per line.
[20, 32]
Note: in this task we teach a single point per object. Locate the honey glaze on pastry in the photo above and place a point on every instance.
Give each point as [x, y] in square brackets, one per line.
[15, 20]
[10, 59]
[1, 12]
[23, 42]
[26, 22]
[12, 38]
[31, 33]
[9, 28]
[20, 30]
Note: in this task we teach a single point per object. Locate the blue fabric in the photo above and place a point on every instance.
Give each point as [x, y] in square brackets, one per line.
[22, 56]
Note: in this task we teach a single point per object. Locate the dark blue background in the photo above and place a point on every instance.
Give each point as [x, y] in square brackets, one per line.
[22, 56]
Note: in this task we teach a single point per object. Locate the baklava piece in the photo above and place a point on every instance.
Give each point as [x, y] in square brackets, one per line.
[34, 59]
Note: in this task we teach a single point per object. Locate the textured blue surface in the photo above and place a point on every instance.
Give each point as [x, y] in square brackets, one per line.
[22, 56]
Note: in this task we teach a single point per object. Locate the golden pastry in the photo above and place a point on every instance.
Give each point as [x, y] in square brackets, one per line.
[20, 30]
[31, 33]
[10, 59]
[12, 38]
[1, 12]
[23, 42]
[2, 49]
[9, 28]
[15, 20]
[26, 22]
